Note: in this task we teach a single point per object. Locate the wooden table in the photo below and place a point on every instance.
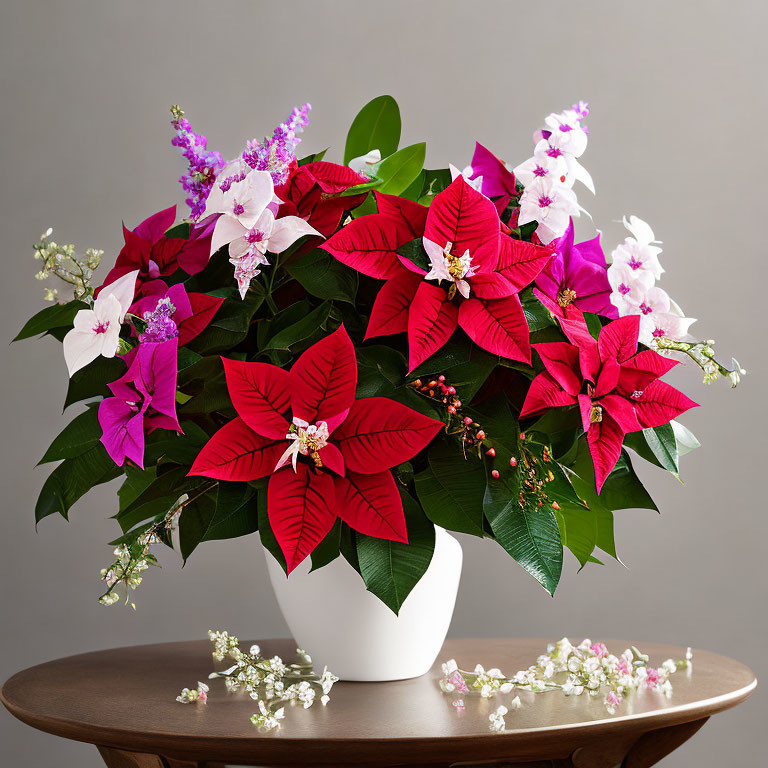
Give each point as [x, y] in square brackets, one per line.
[123, 701]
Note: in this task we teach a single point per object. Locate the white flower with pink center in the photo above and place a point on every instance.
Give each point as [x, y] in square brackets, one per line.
[305, 439]
[567, 133]
[449, 266]
[629, 287]
[660, 317]
[551, 205]
[96, 331]
[250, 237]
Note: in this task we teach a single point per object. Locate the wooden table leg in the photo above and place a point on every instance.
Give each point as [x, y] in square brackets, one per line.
[120, 758]
[656, 745]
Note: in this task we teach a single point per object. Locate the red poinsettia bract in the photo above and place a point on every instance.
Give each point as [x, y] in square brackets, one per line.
[313, 193]
[615, 386]
[155, 255]
[476, 272]
[331, 458]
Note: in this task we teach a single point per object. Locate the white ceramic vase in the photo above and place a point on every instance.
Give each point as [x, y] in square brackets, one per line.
[346, 628]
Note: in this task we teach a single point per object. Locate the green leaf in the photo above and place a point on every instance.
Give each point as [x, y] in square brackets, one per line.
[72, 479]
[414, 251]
[55, 316]
[92, 380]
[194, 521]
[323, 276]
[390, 569]
[528, 532]
[656, 445]
[136, 482]
[162, 445]
[594, 324]
[79, 436]
[397, 172]
[328, 549]
[315, 157]
[380, 371]
[236, 512]
[376, 126]
[308, 327]
[451, 490]
[268, 540]
[434, 182]
[413, 192]
[537, 315]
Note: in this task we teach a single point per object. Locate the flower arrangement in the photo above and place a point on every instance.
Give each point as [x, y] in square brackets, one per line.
[343, 356]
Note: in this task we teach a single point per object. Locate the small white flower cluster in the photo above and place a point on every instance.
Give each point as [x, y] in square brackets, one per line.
[587, 668]
[270, 681]
[548, 177]
[63, 262]
[633, 273]
[190, 696]
[135, 557]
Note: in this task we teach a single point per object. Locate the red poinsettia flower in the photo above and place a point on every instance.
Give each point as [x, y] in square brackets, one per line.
[154, 255]
[313, 193]
[615, 386]
[330, 458]
[478, 271]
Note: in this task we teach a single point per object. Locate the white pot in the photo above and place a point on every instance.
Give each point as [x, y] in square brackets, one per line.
[349, 630]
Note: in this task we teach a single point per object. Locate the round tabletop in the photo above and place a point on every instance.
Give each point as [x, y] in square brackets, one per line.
[124, 698]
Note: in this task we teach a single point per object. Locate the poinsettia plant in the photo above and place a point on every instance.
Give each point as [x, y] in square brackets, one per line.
[342, 356]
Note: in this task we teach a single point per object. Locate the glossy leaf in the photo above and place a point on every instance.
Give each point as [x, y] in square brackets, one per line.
[92, 380]
[528, 532]
[451, 490]
[323, 276]
[79, 436]
[390, 569]
[72, 479]
[55, 316]
[398, 171]
[376, 126]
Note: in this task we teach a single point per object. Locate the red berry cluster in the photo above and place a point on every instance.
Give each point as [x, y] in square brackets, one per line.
[472, 435]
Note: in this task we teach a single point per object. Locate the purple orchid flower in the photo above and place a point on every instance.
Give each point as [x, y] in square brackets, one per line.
[144, 400]
[578, 275]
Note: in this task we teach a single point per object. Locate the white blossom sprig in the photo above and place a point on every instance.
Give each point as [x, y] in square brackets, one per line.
[270, 681]
[64, 262]
[703, 354]
[587, 668]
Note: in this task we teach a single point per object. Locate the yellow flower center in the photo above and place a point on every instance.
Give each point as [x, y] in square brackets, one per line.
[566, 297]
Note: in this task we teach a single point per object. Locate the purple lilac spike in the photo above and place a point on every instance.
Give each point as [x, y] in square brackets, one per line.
[204, 165]
[276, 154]
[160, 324]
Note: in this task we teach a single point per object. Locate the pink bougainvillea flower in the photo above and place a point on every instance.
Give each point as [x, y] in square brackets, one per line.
[313, 192]
[154, 255]
[327, 455]
[96, 331]
[190, 313]
[478, 272]
[577, 274]
[144, 399]
[498, 181]
[616, 388]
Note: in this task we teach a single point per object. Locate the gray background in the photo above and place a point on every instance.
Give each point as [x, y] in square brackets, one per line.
[678, 135]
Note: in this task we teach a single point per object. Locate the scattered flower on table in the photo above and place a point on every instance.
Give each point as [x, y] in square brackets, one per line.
[191, 695]
[588, 667]
[271, 682]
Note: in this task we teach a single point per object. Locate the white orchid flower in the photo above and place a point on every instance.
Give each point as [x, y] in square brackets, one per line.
[96, 331]
[629, 287]
[566, 133]
[365, 163]
[640, 230]
[550, 204]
